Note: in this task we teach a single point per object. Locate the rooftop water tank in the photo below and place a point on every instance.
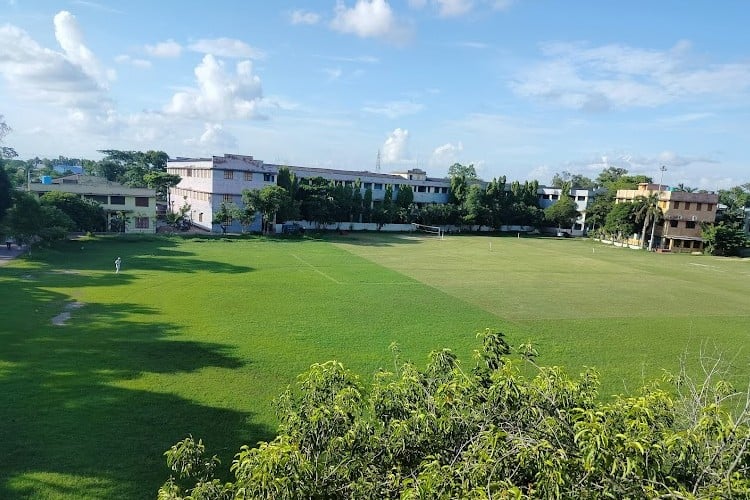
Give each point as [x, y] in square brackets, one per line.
[46, 179]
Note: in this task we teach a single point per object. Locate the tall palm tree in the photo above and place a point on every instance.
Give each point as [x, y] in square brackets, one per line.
[648, 211]
[683, 187]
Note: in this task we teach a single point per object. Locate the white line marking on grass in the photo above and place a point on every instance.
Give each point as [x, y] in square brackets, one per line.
[316, 269]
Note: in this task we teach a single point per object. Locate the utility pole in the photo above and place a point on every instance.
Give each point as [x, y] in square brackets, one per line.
[653, 227]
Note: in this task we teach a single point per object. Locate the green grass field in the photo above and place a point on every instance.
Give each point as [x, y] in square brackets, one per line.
[199, 335]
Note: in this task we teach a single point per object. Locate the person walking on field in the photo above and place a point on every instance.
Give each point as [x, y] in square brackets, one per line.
[118, 263]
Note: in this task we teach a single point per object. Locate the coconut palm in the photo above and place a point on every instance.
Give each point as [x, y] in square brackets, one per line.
[649, 212]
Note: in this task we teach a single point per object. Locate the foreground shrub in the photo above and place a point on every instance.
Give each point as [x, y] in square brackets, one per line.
[488, 432]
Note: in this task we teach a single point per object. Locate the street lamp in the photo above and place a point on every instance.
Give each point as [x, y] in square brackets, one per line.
[653, 227]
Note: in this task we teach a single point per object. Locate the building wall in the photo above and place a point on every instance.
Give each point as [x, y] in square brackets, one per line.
[680, 231]
[548, 196]
[207, 182]
[105, 193]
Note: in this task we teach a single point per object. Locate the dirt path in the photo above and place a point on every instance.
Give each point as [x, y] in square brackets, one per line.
[8, 255]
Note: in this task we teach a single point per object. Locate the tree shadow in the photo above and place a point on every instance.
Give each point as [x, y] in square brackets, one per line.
[371, 239]
[72, 426]
[84, 257]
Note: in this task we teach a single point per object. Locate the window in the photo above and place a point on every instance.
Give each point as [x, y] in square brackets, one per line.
[269, 178]
[421, 189]
[698, 207]
[378, 186]
[99, 199]
[687, 205]
[709, 206]
[368, 185]
[696, 244]
[141, 201]
[690, 224]
[581, 198]
[141, 222]
[189, 172]
[676, 205]
[116, 200]
[248, 176]
[554, 197]
[444, 190]
[673, 223]
[200, 217]
[229, 174]
[227, 198]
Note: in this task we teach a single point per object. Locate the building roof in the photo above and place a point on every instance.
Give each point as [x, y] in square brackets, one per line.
[89, 184]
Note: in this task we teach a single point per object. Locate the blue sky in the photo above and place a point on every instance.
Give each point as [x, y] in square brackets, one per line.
[521, 88]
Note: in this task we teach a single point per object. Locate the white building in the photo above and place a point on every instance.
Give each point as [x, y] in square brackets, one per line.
[208, 182]
[583, 197]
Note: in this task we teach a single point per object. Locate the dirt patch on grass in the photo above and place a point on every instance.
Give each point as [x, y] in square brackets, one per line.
[64, 316]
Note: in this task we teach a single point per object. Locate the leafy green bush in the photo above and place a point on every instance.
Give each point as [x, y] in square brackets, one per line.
[447, 432]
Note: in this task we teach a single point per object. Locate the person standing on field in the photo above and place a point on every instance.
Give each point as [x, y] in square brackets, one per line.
[118, 263]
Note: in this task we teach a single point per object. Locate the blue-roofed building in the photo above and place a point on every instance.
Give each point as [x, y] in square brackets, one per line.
[74, 169]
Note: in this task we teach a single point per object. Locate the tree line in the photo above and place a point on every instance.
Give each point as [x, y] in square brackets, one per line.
[29, 219]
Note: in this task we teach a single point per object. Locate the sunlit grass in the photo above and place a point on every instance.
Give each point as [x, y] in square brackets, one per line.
[199, 335]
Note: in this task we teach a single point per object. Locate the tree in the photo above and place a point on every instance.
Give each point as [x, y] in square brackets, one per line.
[647, 210]
[5, 151]
[6, 191]
[466, 171]
[224, 216]
[162, 182]
[684, 188]
[562, 213]
[619, 221]
[475, 207]
[723, 239]
[29, 221]
[577, 181]
[85, 215]
[130, 167]
[267, 201]
[506, 428]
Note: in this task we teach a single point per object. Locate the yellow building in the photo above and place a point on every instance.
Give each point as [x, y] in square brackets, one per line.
[135, 207]
[680, 229]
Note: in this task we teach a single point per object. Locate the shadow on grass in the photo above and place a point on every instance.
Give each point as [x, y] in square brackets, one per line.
[370, 239]
[71, 426]
[70, 257]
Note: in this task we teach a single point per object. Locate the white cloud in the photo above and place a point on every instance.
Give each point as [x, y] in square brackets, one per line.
[303, 17]
[72, 79]
[220, 94]
[138, 63]
[226, 47]
[395, 109]
[454, 8]
[333, 73]
[167, 49]
[501, 4]
[213, 138]
[369, 19]
[396, 147]
[70, 38]
[446, 154]
[577, 76]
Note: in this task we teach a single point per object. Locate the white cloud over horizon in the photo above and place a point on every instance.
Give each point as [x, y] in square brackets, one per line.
[576, 75]
[395, 149]
[369, 19]
[226, 47]
[220, 94]
[167, 49]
